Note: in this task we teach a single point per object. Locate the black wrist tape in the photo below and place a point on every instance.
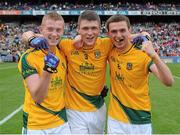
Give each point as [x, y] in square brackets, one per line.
[49, 69]
[30, 39]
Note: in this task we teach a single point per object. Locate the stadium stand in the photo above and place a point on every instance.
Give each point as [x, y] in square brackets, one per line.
[20, 16]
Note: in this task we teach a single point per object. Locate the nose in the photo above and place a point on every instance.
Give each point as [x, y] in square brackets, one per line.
[119, 34]
[89, 32]
[54, 33]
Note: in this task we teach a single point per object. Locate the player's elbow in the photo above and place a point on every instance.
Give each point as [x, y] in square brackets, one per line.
[38, 100]
[169, 82]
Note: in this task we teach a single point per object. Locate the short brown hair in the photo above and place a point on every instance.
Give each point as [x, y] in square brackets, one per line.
[117, 18]
[90, 16]
[52, 15]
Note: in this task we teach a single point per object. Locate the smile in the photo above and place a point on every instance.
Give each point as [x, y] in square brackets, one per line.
[119, 40]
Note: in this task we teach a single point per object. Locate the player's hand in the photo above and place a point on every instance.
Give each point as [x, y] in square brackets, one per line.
[50, 63]
[77, 42]
[38, 43]
[144, 33]
[148, 48]
[26, 35]
[139, 40]
[104, 91]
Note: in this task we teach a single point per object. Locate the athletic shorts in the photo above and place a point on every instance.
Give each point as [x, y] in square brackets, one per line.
[117, 127]
[87, 122]
[63, 129]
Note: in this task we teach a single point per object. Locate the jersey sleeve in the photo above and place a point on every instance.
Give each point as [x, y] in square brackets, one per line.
[107, 44]
[25, 67]
[65, 45]
[148, 63]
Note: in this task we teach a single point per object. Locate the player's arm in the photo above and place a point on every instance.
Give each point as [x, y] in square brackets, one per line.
[26, 36]
[36, 41]
[77, 42]
[144, 33]
[38, 85]
[159, 68]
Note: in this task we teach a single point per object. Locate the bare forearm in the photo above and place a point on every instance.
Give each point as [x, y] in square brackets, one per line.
[40, 90]
[164, 74]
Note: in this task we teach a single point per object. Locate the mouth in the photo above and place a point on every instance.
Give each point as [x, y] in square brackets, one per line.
[53, 40]
[90, 38]
[50, 38]
[119, 40]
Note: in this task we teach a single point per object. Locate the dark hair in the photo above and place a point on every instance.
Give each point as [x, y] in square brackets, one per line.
[90, 16]
[117, 18]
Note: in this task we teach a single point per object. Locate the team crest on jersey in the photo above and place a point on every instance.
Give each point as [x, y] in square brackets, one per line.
[97, 54]
[74, 52]
[56, 82]
[129, 66]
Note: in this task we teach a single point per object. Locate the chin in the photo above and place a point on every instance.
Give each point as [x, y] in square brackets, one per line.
[52, 44]
[90, 44]
[119, 46]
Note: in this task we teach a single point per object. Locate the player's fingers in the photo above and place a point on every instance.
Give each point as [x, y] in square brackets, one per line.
[38, 48]
[144, 47]
[38, 35]
[46, 45]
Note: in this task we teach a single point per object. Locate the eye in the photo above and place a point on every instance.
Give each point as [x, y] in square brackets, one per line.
[58, 30]
[113, 31]
[85, 28]
[94, 28]
[50, 29]
[123, 30]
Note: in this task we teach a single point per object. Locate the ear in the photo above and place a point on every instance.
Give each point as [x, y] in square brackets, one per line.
[40, 28]
[77, 29]
[130, 35]
[107, 33]
[130, 30]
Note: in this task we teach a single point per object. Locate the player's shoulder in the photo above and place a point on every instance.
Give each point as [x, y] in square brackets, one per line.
[25, 57]
[30, 54]
[65, 40]
[139, 54]
[105, 42]
[25, 54]
[65, 43]
[104, 39]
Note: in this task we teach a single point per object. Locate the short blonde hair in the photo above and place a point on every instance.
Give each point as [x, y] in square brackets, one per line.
[52, 15]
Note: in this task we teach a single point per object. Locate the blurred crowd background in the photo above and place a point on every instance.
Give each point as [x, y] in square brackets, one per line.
[165, 32]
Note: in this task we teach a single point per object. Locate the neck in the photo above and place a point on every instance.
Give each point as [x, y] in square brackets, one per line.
[88, 47]
[52, 49]
[125, 48]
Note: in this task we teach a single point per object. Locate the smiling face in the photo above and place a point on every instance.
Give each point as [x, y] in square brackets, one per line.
[89, 30]
[52, 30]
[119, 30]
[119, 34]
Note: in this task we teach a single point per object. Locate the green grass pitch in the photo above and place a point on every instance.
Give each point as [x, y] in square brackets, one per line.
[165, 101]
